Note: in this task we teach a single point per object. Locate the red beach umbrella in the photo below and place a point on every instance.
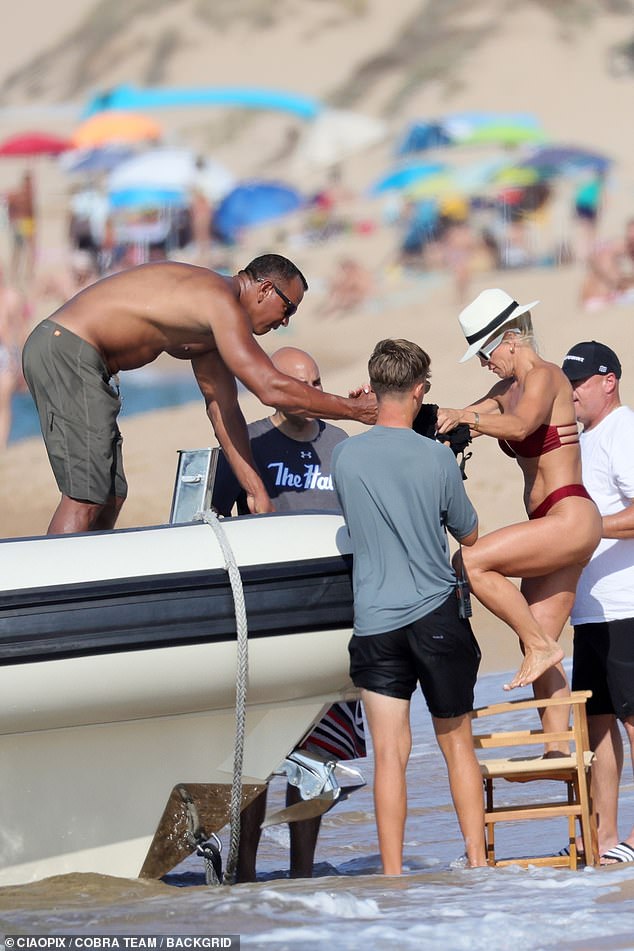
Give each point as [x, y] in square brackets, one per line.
[26, 144]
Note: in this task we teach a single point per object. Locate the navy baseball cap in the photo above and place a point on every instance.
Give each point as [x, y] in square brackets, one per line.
[590, 358]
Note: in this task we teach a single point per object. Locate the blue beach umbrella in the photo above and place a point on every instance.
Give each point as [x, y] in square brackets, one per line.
[246, 97]
[403, 176]
[93, 161]
[420, 136]
[563, 159]
[130, 198]
[252, 203]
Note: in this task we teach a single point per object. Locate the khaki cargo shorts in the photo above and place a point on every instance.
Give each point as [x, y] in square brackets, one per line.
[78, 411]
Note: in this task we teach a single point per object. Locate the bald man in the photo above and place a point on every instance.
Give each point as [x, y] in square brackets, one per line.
[293, 454]
[291, 451]
[125, 321]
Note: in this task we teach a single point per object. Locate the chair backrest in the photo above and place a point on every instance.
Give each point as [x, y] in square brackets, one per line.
[576, 734]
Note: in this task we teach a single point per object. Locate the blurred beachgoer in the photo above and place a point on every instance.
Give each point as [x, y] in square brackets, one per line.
[530, 412]
[12, 334]
[458, 245]
[89, 211]
[325, 218]
[603, 612]
[419, 226]
[293, 456]
[200, 211]
[125, 321]
[23, 225]
[73, 275]
[7, 379]
[610, 272]
[349, 287]
[407, 628]
[588, 202]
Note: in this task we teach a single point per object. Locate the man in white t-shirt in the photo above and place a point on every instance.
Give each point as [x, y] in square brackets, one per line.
[603, 612]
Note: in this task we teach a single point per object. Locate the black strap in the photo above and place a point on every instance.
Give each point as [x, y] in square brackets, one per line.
[490, 327]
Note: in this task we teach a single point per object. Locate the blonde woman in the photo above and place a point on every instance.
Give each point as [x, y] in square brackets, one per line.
[530, 411]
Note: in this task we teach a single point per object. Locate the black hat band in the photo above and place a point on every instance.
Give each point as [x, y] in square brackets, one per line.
[494, 324]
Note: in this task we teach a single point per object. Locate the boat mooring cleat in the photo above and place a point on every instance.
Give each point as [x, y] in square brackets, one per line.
[321, 781]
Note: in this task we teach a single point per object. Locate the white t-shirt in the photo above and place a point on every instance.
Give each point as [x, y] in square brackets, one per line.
[606, 588]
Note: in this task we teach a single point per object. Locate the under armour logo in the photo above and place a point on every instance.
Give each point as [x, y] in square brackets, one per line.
[306, 455]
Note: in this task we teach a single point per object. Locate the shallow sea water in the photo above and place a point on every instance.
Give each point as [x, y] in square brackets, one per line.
[142, 391]
[349, 904]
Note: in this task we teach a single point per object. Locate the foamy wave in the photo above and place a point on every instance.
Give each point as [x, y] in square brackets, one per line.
[335, 904]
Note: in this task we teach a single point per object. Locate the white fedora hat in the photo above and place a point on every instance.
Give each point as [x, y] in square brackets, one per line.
[487, 313]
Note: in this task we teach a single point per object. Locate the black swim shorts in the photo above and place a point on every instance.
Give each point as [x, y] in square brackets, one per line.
[603, 662]
[439, 651]
[78, 410]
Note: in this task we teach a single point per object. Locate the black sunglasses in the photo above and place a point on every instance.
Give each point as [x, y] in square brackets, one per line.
[291, 308]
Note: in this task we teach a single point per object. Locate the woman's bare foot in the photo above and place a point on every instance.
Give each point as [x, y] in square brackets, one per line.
[534, 665]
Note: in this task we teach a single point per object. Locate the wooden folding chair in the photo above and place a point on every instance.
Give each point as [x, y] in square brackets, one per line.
[574, 770]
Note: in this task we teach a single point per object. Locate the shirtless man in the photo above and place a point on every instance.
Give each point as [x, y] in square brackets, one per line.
[21, 210]
[125, 321]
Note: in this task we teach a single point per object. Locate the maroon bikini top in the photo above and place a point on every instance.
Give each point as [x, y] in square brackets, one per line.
[543, 440]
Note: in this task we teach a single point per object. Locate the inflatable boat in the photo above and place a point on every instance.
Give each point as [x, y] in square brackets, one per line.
[118, 678]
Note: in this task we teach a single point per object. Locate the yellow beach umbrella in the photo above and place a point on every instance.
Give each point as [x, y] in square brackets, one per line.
[432, 187]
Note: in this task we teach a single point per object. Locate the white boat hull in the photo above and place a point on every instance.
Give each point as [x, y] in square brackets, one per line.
[100, 721]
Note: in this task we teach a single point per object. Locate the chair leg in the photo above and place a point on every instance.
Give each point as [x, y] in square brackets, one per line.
[490, 825]
[573, 861]
[588, 822]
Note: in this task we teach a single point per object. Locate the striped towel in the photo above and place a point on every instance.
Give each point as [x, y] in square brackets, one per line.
[340, 732]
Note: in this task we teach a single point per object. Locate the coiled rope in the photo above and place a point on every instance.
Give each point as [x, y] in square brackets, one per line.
[242, 677]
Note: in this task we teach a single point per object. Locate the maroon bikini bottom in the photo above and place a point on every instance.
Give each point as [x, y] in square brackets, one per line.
[563, 492]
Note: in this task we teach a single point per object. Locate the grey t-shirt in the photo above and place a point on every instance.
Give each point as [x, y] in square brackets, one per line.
[397, 491]
[296, 475]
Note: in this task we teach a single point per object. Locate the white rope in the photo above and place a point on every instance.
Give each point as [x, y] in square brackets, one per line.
[242, 676]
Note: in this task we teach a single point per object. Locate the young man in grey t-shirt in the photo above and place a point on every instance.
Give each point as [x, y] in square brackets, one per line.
[293, 456]
[400, 493]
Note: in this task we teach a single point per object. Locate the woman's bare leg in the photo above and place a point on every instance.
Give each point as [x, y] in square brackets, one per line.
[551, 549]
[551, 599]
[485, 565]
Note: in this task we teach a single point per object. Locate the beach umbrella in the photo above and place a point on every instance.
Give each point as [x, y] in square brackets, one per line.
[460, 125]
[252, 203]
[467, 180]
[503, 133]
[94, 161]
[111, 127]
[560, 160]
[338, 133]
[172, 169]
[401, 177]
[517, 176]
[420, 136]
[240, 97]
[433, 186]
[149, 196]
[27, 144]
